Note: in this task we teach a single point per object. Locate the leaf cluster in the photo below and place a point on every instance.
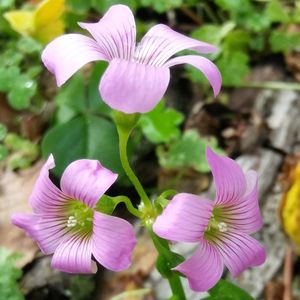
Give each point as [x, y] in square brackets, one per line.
[9, 276]
[244, 29]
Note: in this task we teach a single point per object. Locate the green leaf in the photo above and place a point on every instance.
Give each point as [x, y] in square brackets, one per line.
[282, 41]
[9, 276]
[234, 66]
[166, 260]
[161, 124]
[10, 57]
[237, 40]
[7, 76]
[103, 5]
[6, 4]
[76, 98]
[79, 6]
[95, 103]
[162, 6]
[27, 45]
[245, 14]
[24, 152]
[3, 131]
[225, 290]
[81, 287]
[106, 205]
[276, 12]
[3, 152]
[233, 5]
[84, 137]
[212, 33]
[72, 94]
[21, 91]
[189, 151]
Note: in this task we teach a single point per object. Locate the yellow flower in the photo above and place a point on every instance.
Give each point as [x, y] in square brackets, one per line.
[42, 24]
[290, 210]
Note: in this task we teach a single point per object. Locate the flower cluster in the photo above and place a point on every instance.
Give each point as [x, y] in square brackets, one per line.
[67, 222]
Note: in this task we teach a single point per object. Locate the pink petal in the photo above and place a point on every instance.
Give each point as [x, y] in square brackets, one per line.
[74, 254]
[86, 180]
[245, 216]
[113, 241]
[208, 68]
[68, 53]
[46, 230]
[26, 222]
[240, 251]
[161, 42]
[46, 197]
[133, 87]
[204, 269]
[184, 219]
[115, 33]
[228, 177]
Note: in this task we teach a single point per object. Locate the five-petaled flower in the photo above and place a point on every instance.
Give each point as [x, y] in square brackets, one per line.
[138, 75]
[65, 222]
[221, 227]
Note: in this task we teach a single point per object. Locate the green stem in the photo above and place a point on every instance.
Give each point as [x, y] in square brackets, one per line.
[274, 85]
[123, 140]
[128, 204]
[162, 247]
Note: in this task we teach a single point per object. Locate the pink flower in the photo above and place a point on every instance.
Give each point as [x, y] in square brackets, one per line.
[64, 222]
[138, 75]
[221, 227]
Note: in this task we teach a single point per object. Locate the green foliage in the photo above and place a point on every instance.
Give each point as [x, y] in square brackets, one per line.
[281, 41]
[276, 12]
[162, 6]
[161, 124]
[3, 152]
[106, 204]
[85, 136]
[22, 151]
[3, 149]
[83, 126]
[225, 290]
[6, 4]
[232, 60]
[188, 151]
[9, 276]
[249, 29]
[81, 287]
[101, 6]
[234, 66]
[3, 132]
[166, 260]
[19, 85]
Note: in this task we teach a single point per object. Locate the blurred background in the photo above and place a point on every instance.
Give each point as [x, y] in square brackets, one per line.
[255, 119]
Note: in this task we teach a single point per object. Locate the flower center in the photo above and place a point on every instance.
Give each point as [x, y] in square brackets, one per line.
[215, 225]
[80, 216]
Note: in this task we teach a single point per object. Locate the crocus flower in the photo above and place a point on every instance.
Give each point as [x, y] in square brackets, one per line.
[65, 222]
[221, 227]
[137, 75]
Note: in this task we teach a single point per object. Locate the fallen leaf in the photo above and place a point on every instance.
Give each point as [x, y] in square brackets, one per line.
[15, 189]
[290, 204]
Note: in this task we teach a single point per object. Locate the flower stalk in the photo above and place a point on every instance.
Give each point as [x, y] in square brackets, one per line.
[125, 124]
[165, 263]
